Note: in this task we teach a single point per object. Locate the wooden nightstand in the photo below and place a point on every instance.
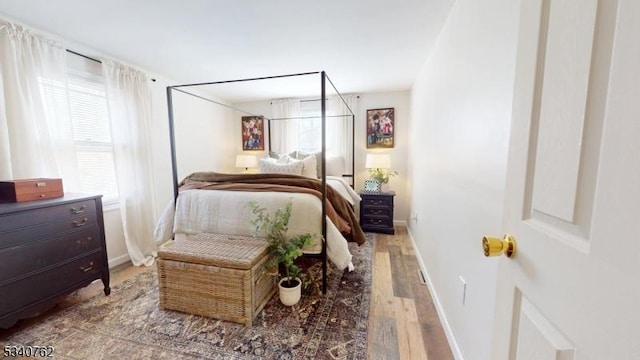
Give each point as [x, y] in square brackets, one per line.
[376, 212]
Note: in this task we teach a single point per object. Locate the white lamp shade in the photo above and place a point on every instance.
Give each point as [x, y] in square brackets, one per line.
[378, 161]
[246, 161]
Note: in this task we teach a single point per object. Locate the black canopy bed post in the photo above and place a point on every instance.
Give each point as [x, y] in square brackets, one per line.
[353, 150]
[323, 107]
[172, 136]
[269, 136]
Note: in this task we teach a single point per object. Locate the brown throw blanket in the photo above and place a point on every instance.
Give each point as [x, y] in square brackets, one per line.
[338, 209]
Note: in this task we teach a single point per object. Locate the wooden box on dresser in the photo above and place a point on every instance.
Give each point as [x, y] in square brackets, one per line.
[48, 249]
[376, 212]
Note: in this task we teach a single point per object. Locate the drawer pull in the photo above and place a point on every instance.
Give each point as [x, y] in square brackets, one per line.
[376, 211]
[79, 224]
[376, 202]
[79, 210]
[82, 241]
[87, 268]
[376, 221]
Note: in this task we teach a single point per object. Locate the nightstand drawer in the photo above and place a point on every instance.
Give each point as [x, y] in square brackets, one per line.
[372, 221]
[377, 211]
[377, 201]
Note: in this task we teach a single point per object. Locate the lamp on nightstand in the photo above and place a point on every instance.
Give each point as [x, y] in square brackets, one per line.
[378, 166]
[378, 161]
[246, 162]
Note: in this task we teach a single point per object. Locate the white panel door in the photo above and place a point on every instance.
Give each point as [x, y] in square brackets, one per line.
[573, 186]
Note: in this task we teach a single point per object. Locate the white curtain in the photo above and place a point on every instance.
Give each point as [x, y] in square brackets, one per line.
[35, 130]
[284, 133]
[340, 128]
[129, 102]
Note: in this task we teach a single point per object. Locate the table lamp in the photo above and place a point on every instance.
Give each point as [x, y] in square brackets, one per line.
[246, 162]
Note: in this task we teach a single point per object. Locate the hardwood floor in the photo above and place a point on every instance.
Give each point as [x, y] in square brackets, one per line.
[403, 323]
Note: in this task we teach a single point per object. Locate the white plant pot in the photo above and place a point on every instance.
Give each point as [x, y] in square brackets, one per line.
[289, 296]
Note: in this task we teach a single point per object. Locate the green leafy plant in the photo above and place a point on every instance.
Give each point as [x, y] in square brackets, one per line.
[382, 175]
[285, 251]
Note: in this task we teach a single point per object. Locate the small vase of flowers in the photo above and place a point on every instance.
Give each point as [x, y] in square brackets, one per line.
[382, 176]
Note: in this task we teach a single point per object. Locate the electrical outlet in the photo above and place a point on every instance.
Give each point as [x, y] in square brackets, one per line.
[464, 290]
[414, 216]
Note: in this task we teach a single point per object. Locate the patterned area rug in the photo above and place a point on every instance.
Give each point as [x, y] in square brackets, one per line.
[129, 324]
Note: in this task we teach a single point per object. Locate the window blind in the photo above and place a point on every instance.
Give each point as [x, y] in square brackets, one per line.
[92, 135]
[85, 99]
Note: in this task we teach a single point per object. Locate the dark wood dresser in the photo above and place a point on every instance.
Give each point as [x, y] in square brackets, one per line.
[376, 212]
[48, 249]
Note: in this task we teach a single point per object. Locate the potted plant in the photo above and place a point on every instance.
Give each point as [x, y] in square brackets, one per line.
[382, 176]
[285, 250]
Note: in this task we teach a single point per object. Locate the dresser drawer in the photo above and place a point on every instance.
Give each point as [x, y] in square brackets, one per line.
[25, 227]
[24, 219]
[24, 259]
[17, 294]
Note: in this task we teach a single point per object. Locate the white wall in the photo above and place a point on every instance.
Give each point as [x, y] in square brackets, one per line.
[460, 120]
[400, 102]
[200, 132]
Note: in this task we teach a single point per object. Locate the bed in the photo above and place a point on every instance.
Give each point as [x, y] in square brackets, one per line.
[215, 202]
[210, 204]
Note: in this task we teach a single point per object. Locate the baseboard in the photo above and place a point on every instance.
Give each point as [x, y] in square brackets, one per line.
[400, 223]
[453, 344]
[118, 260]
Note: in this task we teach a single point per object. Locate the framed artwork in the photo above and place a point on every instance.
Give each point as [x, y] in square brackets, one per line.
[380, 123]
[252, 133]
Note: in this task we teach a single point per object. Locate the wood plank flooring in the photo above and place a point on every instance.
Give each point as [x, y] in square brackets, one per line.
[403, 323]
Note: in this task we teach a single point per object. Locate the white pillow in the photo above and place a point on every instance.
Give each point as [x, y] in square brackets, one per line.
[310, 167]
[273, 167]
[284, 159]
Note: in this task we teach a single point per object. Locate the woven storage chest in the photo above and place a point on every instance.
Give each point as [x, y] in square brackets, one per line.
[225, 277]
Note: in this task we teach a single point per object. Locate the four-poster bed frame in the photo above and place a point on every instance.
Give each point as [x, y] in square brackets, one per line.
[323, 98]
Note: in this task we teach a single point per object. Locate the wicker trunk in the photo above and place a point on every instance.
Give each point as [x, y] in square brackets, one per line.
[225, 277]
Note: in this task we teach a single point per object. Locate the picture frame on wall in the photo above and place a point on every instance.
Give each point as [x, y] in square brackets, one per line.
[380, 125]
[252, 133]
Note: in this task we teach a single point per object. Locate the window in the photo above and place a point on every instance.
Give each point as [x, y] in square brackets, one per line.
[92, 135]
[83, 98]
[309, 126]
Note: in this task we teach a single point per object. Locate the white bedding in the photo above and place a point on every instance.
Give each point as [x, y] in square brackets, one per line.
[341, 186]
[228, 212]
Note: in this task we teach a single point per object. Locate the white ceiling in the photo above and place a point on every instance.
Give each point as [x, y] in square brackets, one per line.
[363, 45]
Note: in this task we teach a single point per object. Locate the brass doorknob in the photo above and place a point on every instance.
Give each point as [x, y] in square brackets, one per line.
[495, 246]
